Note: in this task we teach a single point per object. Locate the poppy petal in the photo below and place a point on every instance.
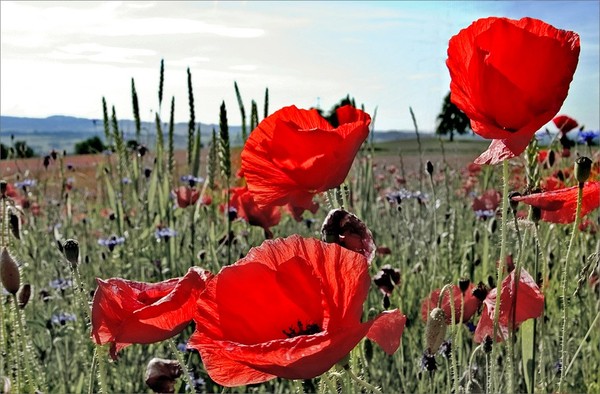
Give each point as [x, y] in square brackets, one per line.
[387, 330]
[560, 206]
[126, 312]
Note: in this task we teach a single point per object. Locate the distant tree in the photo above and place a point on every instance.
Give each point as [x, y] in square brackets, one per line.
[451, 120]
[91, 145]
[22, 150]
[3, 151]
[331, 117]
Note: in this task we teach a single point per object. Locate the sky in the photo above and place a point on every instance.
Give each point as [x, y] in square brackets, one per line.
[62, 58]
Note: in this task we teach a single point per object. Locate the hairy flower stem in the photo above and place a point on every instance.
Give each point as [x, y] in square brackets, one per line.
[92, 373]
[511, 323]
[583, 341]
[563, 344]
[450, 289]
[501, 264]
[28, 377]
[100, 353]
[365, 385]
[186, 372]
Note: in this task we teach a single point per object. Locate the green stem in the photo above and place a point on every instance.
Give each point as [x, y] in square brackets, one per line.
[563, 347]
[182, 363]
[365, 385]
[28, 378]
[501, 264]
[100, 354]
[92, 373]
[582, 342]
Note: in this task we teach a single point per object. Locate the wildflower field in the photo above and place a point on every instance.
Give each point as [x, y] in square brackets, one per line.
[312, 259]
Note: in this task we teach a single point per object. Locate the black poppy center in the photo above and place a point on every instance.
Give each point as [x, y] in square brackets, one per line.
[302, 329]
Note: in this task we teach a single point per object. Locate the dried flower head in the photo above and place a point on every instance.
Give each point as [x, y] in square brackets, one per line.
[347, 230]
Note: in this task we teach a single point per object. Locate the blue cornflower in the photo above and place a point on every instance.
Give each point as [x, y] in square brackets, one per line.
[62, 318]
[165, 233]
[126, 181]
[111, 242]
[588, 136]
[192, 180]
[485, 213]
[61, 284]
[25, 183]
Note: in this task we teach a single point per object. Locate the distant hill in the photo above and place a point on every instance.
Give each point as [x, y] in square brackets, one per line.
[62, 132]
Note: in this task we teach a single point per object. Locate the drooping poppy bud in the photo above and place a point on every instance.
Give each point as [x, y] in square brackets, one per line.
[161, 375]
[435, 331]
[9, 272]
[347, 230]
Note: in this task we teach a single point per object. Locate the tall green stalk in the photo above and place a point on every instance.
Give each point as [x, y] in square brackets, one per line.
[565, 271]
[501, 264]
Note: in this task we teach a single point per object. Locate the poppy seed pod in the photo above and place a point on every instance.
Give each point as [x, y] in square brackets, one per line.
[161, 375]
[583, 168]
[9, 272]
[347, 230]
[435, 331]
[71, 251]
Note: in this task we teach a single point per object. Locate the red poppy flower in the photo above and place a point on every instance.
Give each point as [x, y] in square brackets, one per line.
[559, 206]
[186, 196]
[510, 77]
[291, 308]
[295, 153]
[565, 123]
[243, 201]
[488, 201]
[472, 304]
[529, 305]
[126, 312]
[297, 212]
[551, 183]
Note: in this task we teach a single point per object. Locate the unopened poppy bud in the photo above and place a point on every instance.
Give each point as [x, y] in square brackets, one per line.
[23, 295]
[46, 161]
[435, 331]
[428, 362]
[536, 214]
[487, 344]
[14, 225]
[480, 292]
[493, 226]
[463, 284]
[6, 384]
[513, 204]
[429, 167]
[9, 272]
[71, 251]
[583, 169]
[161, 375]
[347, 230]
[3, 187]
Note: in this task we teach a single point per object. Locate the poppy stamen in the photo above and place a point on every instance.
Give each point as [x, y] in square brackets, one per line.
[310, 329]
